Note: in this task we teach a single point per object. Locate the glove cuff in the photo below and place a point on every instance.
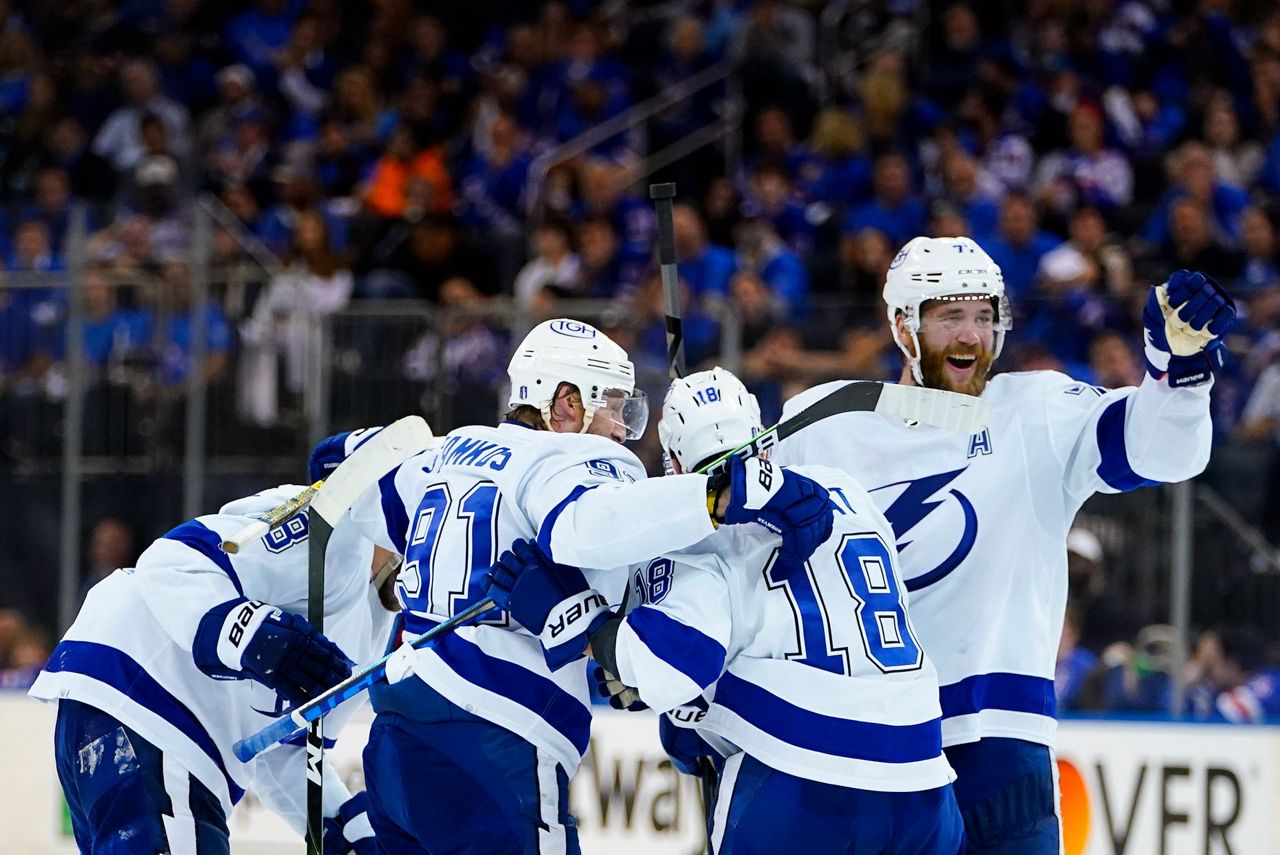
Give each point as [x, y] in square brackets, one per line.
[569, 625]
[223, 634]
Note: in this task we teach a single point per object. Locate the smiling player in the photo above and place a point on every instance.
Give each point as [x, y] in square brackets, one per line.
[981, 521]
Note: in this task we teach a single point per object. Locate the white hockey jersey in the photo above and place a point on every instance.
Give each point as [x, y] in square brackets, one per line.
[452, 511]
[813, 669]
[128, 653]
[981, 521]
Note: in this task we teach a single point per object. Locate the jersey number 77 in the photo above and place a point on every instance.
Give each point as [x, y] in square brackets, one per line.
[846, 593]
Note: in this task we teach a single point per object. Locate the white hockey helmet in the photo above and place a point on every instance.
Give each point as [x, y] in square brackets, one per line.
[942, 269]
[568, 351]
[705, 415]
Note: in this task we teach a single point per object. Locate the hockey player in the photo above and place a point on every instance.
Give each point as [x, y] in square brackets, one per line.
[171, 662]
[981, 521]
[478, 733]
[818, 691]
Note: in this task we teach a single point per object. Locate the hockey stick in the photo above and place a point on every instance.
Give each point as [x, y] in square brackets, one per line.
[950, 410]
[271, 519]
[662, 196]
[291, 507]
[329, 500]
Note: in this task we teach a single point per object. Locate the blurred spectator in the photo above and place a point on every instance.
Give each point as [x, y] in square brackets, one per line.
[771, 197]
[1258, 241]
[839, 174]
[110, 332]
[287, 321]
[473, 355]
[1236, 161]
[1075, 663]
[24, 650]
[1113, 363]
[1019, 245]
[492, 184]
[604, 190]
[1191, 243]
[555, 263]
[1229, 678]
[704, 266]
[258, 34]
[1088, 261]
[865, 258]
[1104, 616]
[171, 328]
[66, 147]
[1087, 173]
[408, 180]
[237, 98]
[963, 189]
[1139, 678]
[776, 145]
[602, 274]
[762, 251]
[1192, 170]
[120, 138]
[111, 546]
[892, 209]
[305, 72]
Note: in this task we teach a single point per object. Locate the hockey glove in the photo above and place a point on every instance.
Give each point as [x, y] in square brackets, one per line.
[620, 695]
[1184, 322]
[785, 502]
[683, 745]
[332, 450]
[350, 830]
[250, 639]
[550, 600]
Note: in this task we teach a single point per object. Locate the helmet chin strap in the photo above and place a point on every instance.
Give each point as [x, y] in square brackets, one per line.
[912, 361]
[588, 413]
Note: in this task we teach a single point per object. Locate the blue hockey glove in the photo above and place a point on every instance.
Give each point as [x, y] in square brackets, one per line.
[350, 830]
[683, 745]
[620, 695]
[785, 502]
[244, 638]
[553, 601]
[332, 450]
[1183, 328]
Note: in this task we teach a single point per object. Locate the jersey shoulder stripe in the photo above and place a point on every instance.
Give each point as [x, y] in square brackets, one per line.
[205, 541]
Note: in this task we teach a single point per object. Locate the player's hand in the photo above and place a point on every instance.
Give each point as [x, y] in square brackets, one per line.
[332, 450]
[1184, 322]
[246, 638]
[550, 600]
[785, 502]
[350, 831]
[620, 695]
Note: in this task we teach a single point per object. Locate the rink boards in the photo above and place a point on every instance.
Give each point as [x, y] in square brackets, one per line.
[1128, 788]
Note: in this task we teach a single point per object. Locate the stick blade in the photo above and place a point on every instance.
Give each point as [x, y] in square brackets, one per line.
[951, 411]
[394, 444]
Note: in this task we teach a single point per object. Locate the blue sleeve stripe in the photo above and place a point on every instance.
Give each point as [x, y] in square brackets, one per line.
[1114, 468]
[393, 510]
[825, 734]
[208, 543]
[119, 671]
[690, 651]
[1012, 692]
[549, 522]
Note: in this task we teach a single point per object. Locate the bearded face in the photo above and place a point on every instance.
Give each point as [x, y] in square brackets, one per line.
[957, 344]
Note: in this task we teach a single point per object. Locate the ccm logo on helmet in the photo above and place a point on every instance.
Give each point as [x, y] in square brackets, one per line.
[572, 329]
